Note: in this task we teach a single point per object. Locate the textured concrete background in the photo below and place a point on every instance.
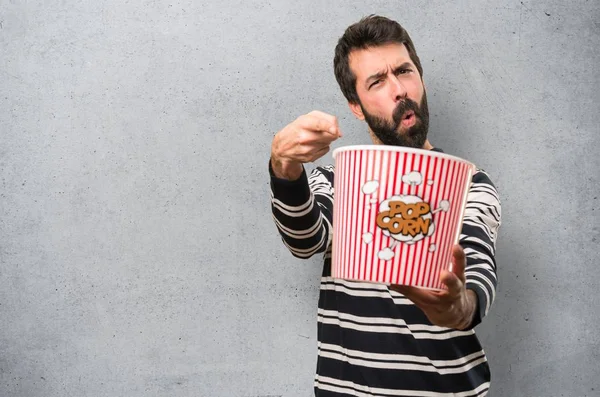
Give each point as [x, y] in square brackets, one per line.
[137, 251]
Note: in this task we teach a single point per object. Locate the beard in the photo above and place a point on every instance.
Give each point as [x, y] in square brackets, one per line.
[389, 133]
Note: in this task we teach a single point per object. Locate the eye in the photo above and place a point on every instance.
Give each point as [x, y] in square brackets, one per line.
[375, 83]
[404, 71]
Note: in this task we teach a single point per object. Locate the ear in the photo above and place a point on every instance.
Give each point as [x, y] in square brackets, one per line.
[356, 110]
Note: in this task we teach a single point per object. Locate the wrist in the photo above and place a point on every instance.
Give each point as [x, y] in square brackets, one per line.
[285, 169]
[470, 309]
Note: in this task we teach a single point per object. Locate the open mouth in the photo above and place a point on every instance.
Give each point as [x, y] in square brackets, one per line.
[409, 119]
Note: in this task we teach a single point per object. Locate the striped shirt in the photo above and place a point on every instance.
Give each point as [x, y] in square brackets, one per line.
[372, 341]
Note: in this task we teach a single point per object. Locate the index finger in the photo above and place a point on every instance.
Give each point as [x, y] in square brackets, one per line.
[317, 113]
[318, 124]
[329, 118]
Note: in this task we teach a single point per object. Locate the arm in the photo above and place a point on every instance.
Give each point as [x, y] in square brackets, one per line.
[302, 211]
[478, 238]
[471, 285]
[303, 207]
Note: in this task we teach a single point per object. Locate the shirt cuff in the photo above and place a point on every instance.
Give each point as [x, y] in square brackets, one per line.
[292, 193]
[479, 308]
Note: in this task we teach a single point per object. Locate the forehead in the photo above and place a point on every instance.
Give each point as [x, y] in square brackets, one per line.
[366, 62]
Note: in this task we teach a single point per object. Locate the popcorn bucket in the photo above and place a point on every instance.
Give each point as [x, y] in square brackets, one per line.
[397, 213]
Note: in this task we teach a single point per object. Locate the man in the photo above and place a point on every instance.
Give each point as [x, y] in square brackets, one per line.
[373, 339]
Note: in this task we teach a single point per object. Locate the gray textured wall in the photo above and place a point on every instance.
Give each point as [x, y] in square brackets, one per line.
[137, 251]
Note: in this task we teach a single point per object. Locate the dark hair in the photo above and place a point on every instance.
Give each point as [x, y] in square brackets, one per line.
[370, 31]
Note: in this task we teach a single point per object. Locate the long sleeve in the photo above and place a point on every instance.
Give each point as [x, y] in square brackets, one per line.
[478, 237]
[303, 211]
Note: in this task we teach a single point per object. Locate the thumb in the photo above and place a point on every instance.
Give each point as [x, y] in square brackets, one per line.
[459, 261]
[451, 281]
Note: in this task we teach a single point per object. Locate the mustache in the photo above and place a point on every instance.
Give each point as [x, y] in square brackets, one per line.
[402, 107]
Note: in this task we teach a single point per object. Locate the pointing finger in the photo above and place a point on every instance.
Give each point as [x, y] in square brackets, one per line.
[333, 127]
[317, 124]
[322, 115]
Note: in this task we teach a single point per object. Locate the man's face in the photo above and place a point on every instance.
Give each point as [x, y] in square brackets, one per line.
[392, 96]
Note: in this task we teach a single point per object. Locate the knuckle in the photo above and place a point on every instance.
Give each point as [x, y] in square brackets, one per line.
[301, 138]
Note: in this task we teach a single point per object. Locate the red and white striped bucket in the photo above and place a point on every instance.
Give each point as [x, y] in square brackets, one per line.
[397, 213]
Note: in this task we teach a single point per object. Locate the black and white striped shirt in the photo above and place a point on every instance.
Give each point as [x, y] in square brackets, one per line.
[372, 341]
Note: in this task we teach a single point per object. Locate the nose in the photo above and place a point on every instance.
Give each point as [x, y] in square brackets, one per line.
[398, 89]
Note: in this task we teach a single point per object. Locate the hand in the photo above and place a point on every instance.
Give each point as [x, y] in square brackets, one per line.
[452, 308]
[304, 140]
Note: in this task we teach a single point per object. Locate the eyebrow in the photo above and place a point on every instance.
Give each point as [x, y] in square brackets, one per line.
[381, 74]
